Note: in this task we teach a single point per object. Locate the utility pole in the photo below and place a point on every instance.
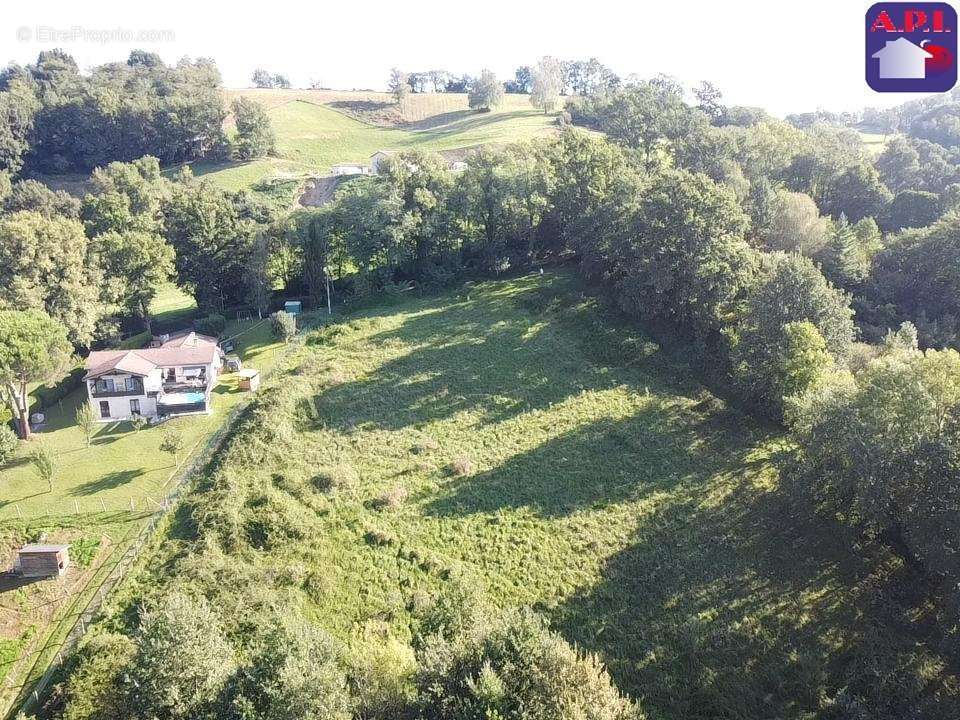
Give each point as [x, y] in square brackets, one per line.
[326, 277]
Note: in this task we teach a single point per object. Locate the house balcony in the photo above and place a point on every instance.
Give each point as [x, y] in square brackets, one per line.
[181, 386]
[99, 390]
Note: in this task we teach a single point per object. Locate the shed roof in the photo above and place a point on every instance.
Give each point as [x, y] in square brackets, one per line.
[38, 548]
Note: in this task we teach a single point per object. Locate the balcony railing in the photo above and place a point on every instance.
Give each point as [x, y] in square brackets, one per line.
[99, 391]
[184, 385]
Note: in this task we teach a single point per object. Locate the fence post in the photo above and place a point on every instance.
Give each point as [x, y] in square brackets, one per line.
[76, 506]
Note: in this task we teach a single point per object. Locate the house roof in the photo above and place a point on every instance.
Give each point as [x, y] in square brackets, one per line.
[188, 348]
[36, 547]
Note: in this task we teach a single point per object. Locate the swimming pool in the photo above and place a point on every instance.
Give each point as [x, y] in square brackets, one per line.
[184, 398]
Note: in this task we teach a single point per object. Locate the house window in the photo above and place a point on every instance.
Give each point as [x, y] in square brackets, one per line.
[131, 384]
[134, 407]
[171, 374]
[104, 409]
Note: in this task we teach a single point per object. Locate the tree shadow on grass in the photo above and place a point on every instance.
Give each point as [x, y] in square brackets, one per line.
[108, 481]
[738, 604]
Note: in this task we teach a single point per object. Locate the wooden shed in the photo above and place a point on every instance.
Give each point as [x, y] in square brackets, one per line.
[43, 560]
[249, 379]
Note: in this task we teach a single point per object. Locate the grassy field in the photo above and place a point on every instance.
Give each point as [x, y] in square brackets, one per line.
[516, 437]
[312, 137]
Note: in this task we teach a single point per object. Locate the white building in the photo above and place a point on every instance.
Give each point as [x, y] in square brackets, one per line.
[350, 169]
[175, 378]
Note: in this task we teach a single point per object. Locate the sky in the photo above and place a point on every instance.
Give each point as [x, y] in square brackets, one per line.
[783, 56]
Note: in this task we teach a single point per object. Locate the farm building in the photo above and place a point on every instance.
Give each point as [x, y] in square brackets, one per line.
[43, 560]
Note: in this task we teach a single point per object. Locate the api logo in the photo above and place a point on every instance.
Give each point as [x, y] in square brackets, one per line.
[911, 47]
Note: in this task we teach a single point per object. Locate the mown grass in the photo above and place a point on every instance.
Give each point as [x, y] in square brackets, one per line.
[516, 437]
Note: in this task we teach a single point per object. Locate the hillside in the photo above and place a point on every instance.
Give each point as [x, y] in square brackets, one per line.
[317, 129]
[516, 438]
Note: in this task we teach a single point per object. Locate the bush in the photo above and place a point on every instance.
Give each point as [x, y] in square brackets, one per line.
[283, 325]
[212, 325]
[183, 660]
[512, 668]
[93, 689]
[8, 444]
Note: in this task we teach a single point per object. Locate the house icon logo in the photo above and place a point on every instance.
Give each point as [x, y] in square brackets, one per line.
[911, 47]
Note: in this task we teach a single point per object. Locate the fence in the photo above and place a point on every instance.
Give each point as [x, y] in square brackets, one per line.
[99, 586]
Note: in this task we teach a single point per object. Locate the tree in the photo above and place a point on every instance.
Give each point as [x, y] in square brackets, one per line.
[911, 209]
[255, 136]
[773, 360]
[522, 80]
[43, 464]
[172, 444]
[283, 325]
[857, 192]
[881, 452]
[262, 78]
[259, 286]
[710, 101]
[86, 420]
[18, 109]
[8, 443]
[47, 263]
[182, 662]
[546, 84]
[281, 81]
[899, 165]
[486, 92]
[33, 349]
[795, 224]
[398, 85]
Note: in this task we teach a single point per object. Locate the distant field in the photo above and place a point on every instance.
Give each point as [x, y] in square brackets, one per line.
[517, 438]
[312, 137]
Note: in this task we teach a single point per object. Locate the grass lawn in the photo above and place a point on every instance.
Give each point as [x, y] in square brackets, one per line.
[172, 304]
[518, 438]
[312, 137]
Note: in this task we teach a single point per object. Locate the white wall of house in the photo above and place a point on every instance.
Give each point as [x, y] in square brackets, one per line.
[120, 407]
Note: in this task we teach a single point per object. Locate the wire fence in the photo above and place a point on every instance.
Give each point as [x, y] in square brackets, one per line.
[111, 571]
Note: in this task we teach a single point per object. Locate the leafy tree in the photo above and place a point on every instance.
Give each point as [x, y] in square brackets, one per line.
[512, 667]
[182, 660]
[911, 209]
[522, 81]
[262, 78]
[795, 224]
[589, 77]
[47, 262]
[546, 85]
[86, 420]
[398, 85]
[283, 325]
[919, 273]
[294, 672]
[881, 452]
[33, 349]
[36, 197]
[258, 280]
[281, 81]
[899, 165]
[18, 109]
[857, 192]
[43, 464]
[773, 360]
[137, 265]
[847, 256]
[710, 101]
[172, 444]
[8, 444]
[212, 232]
[683, 258]
[486, 92]
[255, 136]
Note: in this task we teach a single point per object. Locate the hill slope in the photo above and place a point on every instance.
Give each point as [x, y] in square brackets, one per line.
[515, 438]
[311, 137]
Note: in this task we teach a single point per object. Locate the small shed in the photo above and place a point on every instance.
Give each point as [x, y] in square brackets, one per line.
[43, 560]
[293, 307]
[249, 379]
[234, 364]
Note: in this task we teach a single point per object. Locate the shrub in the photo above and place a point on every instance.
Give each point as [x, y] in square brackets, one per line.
[460, 466]
[382, 669]
[8, 444]
[283, 325]
[295, 672]
[212, 324]
[391, 499]
[183, 660]
[94, 686]
[513, 667]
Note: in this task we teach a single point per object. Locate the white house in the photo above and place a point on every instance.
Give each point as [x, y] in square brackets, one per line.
[900, 59]
[175, 378]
